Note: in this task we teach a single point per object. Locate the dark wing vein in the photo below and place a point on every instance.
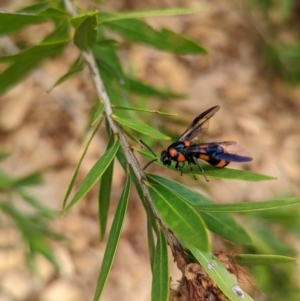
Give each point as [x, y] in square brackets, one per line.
[199, 125]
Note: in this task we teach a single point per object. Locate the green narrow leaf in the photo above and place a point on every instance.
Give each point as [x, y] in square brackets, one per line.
[211, 171]
[37, 7]
[97, 113]
[160, 278]
[34, 231]
[94, 175]
[180, 217]
[104, 17]
[27, 60]
[6, 181]
[114, 86]
[137, 86]
[20, 20]
[220, 275]
[150, 237]
[143, 110]
[258, 259]
[221, 223]
[130, 135]
[55, 14]
[139, 31]
[76, 67]
[104, 195]
[86, 33]
[248, 206]
[108, 43]
[18, 70]
[74, 176]
[60, 35]
[29, 180]
[266, 242]
[113, 240]
[37, 204]
[140, 127]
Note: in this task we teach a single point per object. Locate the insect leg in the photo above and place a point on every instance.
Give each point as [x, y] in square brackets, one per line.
[190, 161]
[179, 167]
[201, 169]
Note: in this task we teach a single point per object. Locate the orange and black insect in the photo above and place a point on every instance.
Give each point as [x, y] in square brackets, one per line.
[185, 149]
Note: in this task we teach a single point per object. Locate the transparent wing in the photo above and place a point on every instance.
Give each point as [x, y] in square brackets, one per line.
[231, 151]
[199, 125]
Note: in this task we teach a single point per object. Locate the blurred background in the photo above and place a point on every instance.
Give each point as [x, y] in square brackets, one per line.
[252, 70]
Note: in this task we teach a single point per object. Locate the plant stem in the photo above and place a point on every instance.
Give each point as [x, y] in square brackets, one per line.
[130, 157]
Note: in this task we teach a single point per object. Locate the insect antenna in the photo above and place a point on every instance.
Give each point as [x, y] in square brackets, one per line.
[151, 151]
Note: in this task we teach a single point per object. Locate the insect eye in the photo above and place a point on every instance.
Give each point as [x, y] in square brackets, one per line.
[165, 159]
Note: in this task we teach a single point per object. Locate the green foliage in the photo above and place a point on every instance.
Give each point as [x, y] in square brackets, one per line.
[86, 32]
[94, 175]
[113, 239]
[180, 217]
[140, 127]
[140, 32]
[188, 214]
[77, 66]
[34, 226]
[267, 241]
[282, 55]
[160, 283]
[220, 223]
[220, 275]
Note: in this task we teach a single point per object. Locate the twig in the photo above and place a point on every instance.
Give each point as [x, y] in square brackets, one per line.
[130, 157]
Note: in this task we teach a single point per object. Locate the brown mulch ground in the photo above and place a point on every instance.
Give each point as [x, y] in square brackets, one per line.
[258, 110]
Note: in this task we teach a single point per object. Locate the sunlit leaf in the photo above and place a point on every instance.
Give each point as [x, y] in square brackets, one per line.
[143, 110]
[104, 17]
[160, 278]
[113, 240]
[139, 31]
[94, 175]
[180, 217]
[221, 277]
[221, 223]
[140, 127]
[74, 176]
[258, 259]
[248, 206]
